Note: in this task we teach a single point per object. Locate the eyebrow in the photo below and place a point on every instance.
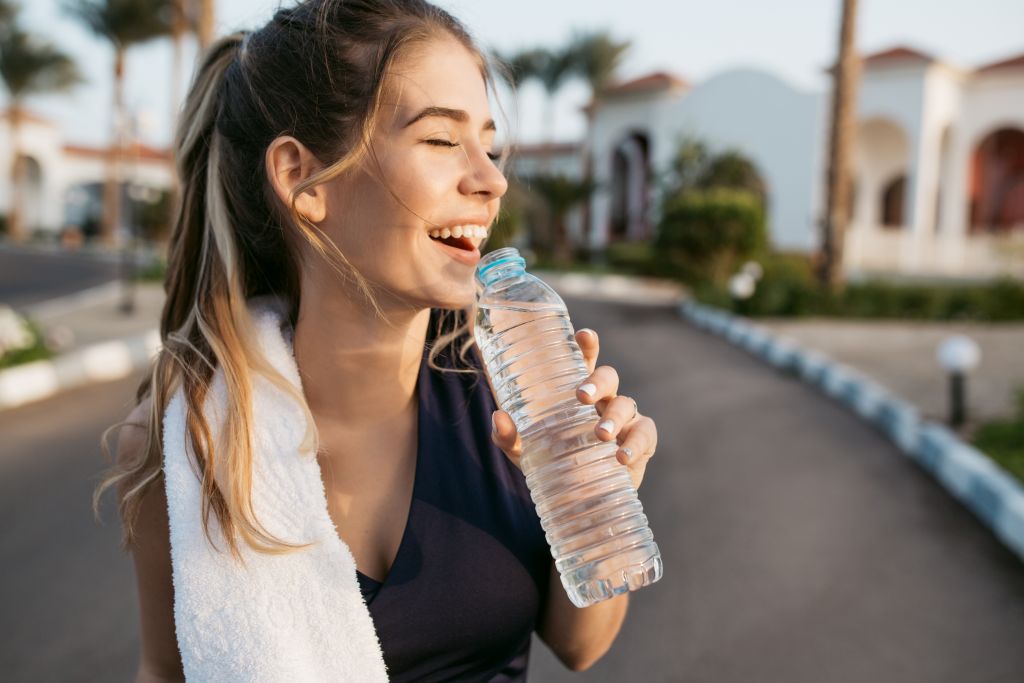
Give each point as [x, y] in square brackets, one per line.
[444, 112]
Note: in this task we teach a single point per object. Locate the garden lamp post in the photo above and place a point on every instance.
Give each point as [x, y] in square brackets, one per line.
[958, 355]
[742, 285]
[141, 121]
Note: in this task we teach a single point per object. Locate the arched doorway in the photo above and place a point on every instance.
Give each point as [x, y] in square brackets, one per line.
[883, 160]
[894, 195]
[630, 189]
[997, 182]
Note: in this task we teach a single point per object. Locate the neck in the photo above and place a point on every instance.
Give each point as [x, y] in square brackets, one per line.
[358, 372]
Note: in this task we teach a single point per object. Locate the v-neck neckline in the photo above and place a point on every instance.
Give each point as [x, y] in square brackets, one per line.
[422, 379]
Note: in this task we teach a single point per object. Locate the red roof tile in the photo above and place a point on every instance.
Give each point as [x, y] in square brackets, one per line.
[659, 80]
[897, 54]
[1016, 62]
[142, 151]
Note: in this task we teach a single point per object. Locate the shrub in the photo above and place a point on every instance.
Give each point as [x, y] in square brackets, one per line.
[788, 288]
[703, 236]
[21, 341]
[634, 258]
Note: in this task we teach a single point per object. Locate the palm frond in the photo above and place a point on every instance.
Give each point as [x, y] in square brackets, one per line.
[29, 65]
[521, 66]
[597, 57]
[124, 22]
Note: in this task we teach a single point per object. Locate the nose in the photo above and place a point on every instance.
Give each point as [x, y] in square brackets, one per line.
[482, 176]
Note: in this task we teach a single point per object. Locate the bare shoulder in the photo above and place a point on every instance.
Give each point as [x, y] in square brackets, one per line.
[151, 553]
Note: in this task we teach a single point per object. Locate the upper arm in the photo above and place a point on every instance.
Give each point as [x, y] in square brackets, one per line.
[151, 554]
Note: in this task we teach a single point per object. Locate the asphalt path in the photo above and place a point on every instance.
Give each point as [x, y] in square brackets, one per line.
[799, 545]
[30, 277]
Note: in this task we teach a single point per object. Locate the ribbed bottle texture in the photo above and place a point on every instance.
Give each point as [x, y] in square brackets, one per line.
[584, 497]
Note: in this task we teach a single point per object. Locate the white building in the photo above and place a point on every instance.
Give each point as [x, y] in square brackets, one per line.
[939, 164]
[62, 182]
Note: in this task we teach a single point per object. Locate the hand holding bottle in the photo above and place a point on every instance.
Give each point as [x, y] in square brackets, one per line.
[637, 435]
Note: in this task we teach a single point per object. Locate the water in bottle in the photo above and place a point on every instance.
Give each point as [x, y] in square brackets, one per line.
[584, 497]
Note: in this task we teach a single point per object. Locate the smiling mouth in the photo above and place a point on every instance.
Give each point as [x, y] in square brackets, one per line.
[465, 238]
[457, 242]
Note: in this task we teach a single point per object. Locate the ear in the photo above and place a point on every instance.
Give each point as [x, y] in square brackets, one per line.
[288, 163]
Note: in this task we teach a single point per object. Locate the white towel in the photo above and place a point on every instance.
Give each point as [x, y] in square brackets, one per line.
[296, 617]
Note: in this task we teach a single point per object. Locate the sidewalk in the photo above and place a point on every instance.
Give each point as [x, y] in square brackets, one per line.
[98, 342]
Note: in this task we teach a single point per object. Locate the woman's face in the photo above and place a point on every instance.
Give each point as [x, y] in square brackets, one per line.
[438, 163]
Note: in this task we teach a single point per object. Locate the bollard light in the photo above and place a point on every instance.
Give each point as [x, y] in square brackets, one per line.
[753, 269]
[742, 285]
[958, 355]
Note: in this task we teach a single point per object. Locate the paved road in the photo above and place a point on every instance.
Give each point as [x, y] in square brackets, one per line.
[68, 593]
[799, 546]
[28, 277]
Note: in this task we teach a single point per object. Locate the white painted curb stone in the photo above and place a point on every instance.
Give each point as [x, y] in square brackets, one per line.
[101, 362]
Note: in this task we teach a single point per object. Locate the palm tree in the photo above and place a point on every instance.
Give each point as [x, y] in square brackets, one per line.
[597, 57]
[844, 92]
[205, 22]
[124, 23]
[556, 67]
[28, 66]
[189, 16]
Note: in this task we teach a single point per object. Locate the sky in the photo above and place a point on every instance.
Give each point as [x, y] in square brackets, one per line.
[794, 39]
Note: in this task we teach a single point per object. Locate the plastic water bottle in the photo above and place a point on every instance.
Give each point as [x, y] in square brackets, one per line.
[584, 497]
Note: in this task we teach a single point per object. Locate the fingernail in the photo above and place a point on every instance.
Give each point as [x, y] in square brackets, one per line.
[587, 330]
[628, 452]
[607, 426]
[494, 425]
[589, 389]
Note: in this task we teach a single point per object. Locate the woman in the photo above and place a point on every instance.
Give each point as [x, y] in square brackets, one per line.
[317, 156]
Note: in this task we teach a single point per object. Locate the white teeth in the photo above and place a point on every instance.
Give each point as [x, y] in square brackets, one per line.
[477, 232]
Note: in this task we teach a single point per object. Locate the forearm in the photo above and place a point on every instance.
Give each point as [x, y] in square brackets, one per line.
[580, 636]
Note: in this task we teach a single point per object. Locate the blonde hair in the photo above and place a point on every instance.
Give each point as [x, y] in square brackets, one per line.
[233, 239]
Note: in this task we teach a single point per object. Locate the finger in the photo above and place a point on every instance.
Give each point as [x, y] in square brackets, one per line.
[615, 418]
[589, 345]
[602, 384]
[638, 443]
[505, 435]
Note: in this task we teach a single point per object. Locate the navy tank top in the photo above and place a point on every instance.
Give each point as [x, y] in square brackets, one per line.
[471, 575]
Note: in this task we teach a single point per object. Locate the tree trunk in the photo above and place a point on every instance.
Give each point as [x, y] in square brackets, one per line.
[178, 29]
[112, 186]
[15, 229]
[844, 93]
[588, 173]
[560, 249]
[549, 133]
[205, 29]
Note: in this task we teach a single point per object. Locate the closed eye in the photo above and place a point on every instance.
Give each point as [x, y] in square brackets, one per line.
[446, 143]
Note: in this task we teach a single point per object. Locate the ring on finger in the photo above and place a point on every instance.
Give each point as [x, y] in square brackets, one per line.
[636, 410]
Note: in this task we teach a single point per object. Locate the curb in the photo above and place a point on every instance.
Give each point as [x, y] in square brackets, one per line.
[965, 472]
[100, 362]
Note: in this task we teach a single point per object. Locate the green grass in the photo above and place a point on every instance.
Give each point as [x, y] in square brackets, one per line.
[38, 351]
[1003, 440]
